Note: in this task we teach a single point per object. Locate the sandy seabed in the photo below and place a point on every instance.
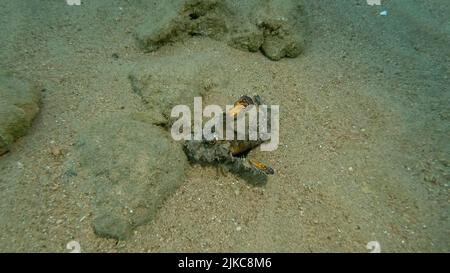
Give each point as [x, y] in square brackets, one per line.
[364, 130]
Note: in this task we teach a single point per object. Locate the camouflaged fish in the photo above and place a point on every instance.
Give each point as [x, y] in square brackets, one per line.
[231, 154]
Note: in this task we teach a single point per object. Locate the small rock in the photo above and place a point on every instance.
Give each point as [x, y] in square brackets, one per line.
[19, 165]
[55, 151]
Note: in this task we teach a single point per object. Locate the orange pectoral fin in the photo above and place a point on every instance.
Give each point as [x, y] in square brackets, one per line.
[240, 105]
[236, 110]
[262, 167]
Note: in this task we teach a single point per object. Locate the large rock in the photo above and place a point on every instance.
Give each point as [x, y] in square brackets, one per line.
[181, 19]
[19, 105]
[173, 81]
[284, 30]
[133, 166]
[276, 27]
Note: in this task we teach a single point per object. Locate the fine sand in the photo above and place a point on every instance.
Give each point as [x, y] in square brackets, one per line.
[364, 149]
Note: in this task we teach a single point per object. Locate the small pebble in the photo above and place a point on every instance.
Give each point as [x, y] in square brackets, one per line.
[55, 151]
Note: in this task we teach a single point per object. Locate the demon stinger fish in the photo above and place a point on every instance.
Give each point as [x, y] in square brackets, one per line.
[231, 154]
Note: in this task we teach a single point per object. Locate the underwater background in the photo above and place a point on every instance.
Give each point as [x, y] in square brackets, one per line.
[86, 91]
